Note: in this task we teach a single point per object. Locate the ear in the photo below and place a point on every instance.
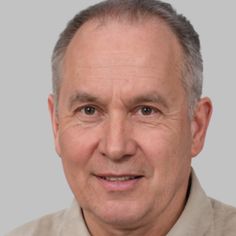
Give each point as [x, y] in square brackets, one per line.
[199, 124]
[54, 122]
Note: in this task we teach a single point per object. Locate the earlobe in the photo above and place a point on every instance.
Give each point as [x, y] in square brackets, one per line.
[54, 121]
[200, 124]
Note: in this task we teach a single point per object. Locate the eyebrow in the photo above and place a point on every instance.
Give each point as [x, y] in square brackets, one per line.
[82, 97]
[151, 97]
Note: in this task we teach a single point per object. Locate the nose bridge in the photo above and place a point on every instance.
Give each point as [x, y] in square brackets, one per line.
[117, 141]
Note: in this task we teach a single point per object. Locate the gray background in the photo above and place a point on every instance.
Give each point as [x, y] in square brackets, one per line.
[32, 180]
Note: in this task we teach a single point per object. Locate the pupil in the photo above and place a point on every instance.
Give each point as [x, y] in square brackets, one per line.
[146, 110]
[89, 110]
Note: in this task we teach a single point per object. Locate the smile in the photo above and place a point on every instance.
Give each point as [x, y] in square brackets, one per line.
[120, 178]
[117, 183]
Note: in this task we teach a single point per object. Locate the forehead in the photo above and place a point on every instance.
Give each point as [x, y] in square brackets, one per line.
[121, 54]
[114, 42]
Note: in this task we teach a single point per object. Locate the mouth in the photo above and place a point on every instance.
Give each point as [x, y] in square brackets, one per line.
[119, 178]
[117, 183]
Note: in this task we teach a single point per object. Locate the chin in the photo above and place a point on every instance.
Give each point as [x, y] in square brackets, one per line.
[126, 215]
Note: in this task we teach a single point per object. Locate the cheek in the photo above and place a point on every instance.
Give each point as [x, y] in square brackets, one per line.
[76, 153]
[77, 144]
[168, 156]
[166, 149]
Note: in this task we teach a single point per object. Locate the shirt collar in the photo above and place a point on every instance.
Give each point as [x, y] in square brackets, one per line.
[73, 223]
[197, 215]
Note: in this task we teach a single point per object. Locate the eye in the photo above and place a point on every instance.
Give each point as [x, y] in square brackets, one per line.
[88, 110]
[88, 113]
[147, 110]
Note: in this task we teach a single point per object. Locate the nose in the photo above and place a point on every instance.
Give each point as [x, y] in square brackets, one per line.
[117, 142]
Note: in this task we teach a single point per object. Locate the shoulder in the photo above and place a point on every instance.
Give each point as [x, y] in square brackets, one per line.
[224, 217]
[45, 226]
[64, 223]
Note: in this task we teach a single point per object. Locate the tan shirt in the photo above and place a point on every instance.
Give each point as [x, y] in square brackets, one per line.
[201, 216]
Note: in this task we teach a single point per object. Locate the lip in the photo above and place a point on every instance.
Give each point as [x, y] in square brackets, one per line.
[124, 182]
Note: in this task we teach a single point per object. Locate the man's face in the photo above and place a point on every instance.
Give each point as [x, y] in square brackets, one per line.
[123, 130]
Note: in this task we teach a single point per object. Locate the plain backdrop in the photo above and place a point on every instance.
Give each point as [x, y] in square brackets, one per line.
[32, 180]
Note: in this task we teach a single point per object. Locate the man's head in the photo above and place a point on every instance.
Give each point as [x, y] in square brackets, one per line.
[134, 11]
[122, 126]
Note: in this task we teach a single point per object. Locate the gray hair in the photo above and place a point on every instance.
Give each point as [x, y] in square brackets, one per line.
[134, 10]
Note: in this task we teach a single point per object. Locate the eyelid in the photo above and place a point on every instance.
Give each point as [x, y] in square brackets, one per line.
[99, 111]
[80, 114]
[154, 108]
[81, 106]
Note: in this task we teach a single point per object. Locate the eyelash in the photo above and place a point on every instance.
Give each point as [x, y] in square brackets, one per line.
[137, 110]
[152, 110]
[82, 108]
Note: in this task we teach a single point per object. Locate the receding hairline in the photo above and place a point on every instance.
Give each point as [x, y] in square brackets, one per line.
[134, 11]
[97, 24]
[102, 21]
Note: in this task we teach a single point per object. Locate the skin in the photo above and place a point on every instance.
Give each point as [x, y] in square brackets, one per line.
[122, 110]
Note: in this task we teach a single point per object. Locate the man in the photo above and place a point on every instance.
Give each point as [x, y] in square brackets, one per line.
[128, 117]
